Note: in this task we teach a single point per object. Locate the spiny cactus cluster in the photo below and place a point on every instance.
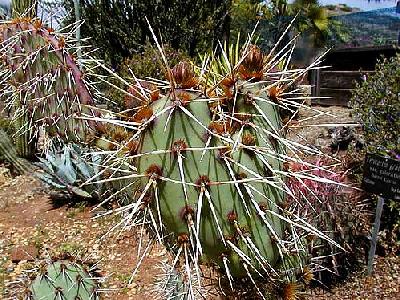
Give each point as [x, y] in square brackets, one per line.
[61, 279]
[211, 161]
[336, 211]
[42, 84]
[204, 158]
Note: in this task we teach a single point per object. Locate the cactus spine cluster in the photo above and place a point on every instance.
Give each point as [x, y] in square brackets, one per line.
[62, 279]
[41, 84]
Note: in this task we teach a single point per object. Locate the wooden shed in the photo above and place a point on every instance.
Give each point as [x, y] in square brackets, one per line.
[346, 67]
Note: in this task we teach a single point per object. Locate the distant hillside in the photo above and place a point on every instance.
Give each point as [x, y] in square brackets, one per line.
[376, 27]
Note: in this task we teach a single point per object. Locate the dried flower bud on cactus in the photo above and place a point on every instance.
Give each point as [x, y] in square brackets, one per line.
[183, 75]
[252, 66]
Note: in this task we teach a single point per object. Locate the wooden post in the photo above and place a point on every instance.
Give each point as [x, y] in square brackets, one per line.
[315, 82]
[375, 232]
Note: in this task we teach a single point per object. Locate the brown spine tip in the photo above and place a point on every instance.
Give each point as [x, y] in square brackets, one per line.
[274, 93]
[100, 128]
[231, 216]
[187, 213]
[241, 176]
[37, 24]
[286, 166]
[203, 181]
[183, 98]
[263, 206]
[183, 238]
[249, 98]
[248, 139]
[178, 146]
[243, 118]
[183, 75]
[228, 82]
[224, 152]
[119, 134]
[140, 95]
[132, 147]
[153, 171]
[290, 291]
[307, 276]
[220, 127]
[283, 205]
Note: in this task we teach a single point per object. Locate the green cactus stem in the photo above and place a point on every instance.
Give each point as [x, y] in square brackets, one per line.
[194, 201]
[9, 153]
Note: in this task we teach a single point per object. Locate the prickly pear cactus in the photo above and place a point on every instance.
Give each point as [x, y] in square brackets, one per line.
[207, 202]
[62, 280]
[212, 160]
[42, 84]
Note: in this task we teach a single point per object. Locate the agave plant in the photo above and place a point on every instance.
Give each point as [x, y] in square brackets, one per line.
[210, 158]
[69, 168]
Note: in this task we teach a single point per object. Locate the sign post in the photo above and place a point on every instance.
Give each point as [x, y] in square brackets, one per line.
[374, 237]
[381, 177]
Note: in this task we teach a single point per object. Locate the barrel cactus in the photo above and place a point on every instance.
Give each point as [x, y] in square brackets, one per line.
[42, 84]
[212, 162]
[62, 279]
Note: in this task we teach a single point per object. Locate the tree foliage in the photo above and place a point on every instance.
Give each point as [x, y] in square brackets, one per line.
[311, 20]
[376, 102]
[119, 27]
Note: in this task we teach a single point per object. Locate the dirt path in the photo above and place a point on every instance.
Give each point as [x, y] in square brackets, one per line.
[383, 284]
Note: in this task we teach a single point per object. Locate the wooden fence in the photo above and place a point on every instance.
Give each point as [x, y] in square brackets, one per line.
[335, 87]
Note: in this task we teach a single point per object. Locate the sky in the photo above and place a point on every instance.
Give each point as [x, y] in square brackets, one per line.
[363, 4]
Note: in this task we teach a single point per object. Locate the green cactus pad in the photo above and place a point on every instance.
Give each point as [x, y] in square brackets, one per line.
[229, 221]
[63, 280]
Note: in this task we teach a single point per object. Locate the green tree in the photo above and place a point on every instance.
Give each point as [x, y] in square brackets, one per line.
[312, 21]
[118, 28]
[244, 15]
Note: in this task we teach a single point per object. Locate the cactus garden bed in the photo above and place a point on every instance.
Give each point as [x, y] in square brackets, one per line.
[218, 182]
[34, 225]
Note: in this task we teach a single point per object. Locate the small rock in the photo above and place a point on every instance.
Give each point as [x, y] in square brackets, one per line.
[28, 253]
[4, 175]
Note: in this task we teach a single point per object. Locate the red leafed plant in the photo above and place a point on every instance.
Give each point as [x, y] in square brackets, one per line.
[321, 195]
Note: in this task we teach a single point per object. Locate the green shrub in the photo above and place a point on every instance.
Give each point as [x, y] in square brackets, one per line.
[148, 62]
[376, 103]
[118, 28]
